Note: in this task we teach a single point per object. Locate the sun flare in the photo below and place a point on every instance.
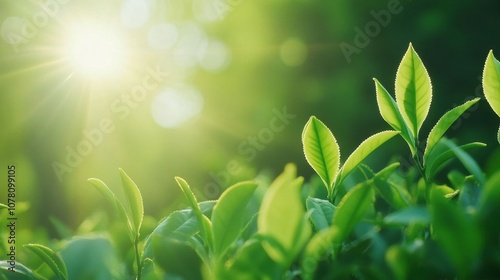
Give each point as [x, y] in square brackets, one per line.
[94, 51]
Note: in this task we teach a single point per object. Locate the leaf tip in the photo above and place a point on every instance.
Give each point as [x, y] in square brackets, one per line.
[179, 180]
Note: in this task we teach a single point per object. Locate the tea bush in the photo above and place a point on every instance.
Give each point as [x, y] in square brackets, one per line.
[351, 223]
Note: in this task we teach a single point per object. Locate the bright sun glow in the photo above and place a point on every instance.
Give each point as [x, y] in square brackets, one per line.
[94, 51]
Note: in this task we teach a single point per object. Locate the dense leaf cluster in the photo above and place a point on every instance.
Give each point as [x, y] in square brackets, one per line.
[363, 224]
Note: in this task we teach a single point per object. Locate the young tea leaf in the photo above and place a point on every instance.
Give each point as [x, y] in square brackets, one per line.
[205, 227]
[322, 151]
[438, 157]
[180, 225]
[228, 218]
[351, 209]
[498, 135]
[281, 218]
[177, 257]
[134, 200]
[408, 216]
[396, 196]
[390, 113]
[489, 209]
[491, 82]
[469, 163]
[443, 124]
[363, 150]
[456, 232]
[21, 272]
[55, 262]
[413, 90]
[320, 247]
[321, 212]
[251, 262]
[113, 200]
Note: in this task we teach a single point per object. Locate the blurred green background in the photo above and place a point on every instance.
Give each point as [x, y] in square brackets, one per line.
[235, 82]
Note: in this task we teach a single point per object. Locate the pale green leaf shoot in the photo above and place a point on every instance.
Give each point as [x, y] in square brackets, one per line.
[363, 150]
[491, 82]
[390, 113]
[413, 90]
[282, 216]
[322, 151]
[227, 216]
[352, 209]
[205, 229]
[444, 123]
[134, 200]
[55, 262]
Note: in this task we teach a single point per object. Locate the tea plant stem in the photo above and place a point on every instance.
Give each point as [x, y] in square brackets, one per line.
[137, 258]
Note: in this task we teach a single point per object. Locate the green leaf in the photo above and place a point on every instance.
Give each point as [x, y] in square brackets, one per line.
[498, 135]
[490, 195]
[396, 196]
[391, 114]
[21, 272]
[363, 150]
[438, 158]
[322, 151]
[55, 262]
[408, 216]
[227, 218]
[93, 256]
[398, 260]
[113, 200]
[491, 82]
[205, 227]
[252, 262]
[282, 218]
[176, 257]
[351, 209]
[321, 212]
[468, 162]
[413, 90]
[180, 225]
[320, 247]
[456, 232]
[3, 206]
[489, 209]
[386, 172]
[443, 124]
[134, 200]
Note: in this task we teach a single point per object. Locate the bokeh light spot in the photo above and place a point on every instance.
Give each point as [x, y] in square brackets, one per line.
[214, 57]
[162, 36]
[192, 40]
[205, 10]
[174, 107]
[135, 13]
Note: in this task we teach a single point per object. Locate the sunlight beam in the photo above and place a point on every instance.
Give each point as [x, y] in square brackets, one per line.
[94, 51]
